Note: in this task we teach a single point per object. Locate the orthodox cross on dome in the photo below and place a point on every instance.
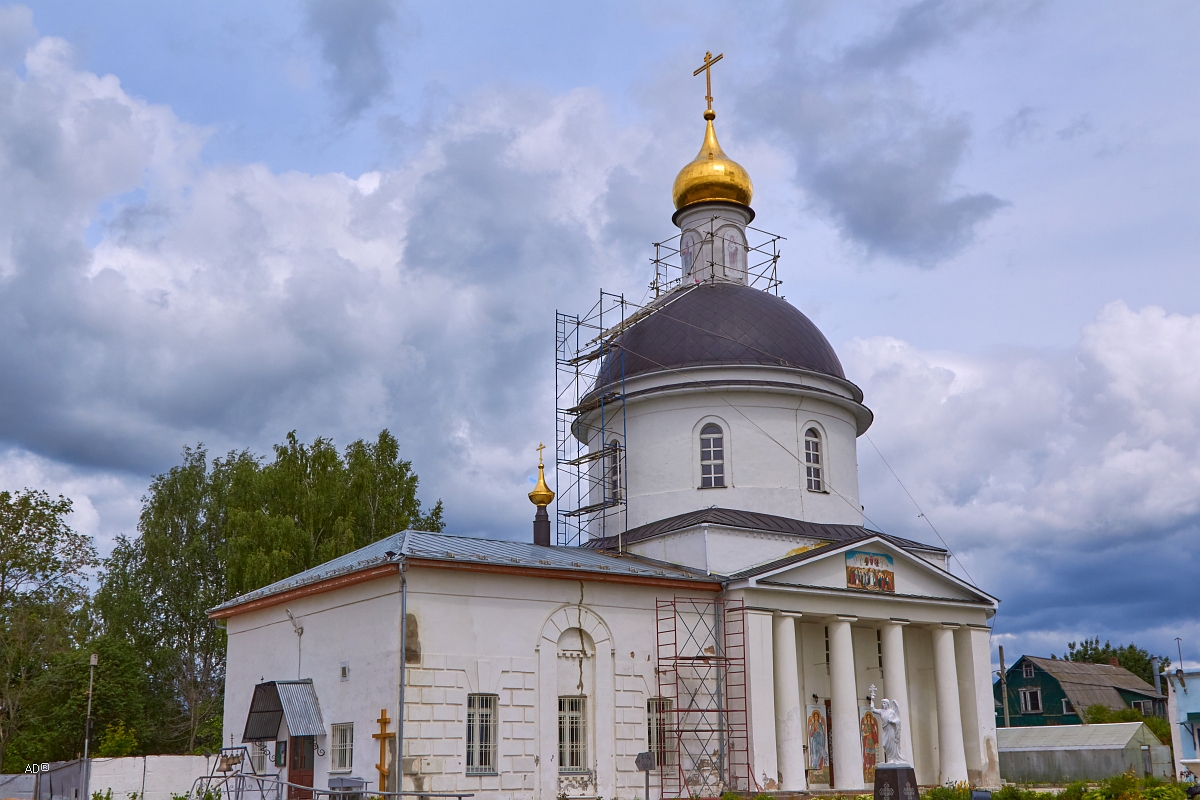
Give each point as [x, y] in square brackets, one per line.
[383, 736]
[540, 448]
[707, 70]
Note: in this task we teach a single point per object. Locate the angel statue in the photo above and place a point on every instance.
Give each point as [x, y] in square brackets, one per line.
[889, 714]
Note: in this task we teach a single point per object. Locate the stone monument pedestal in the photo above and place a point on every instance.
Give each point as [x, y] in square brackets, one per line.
[896, 782]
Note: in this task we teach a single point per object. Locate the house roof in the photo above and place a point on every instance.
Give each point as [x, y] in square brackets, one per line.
[753, 521]
[468, 552]
[1088, 684]
[1107, 736]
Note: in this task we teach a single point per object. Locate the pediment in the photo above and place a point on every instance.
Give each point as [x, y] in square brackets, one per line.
[872, 566]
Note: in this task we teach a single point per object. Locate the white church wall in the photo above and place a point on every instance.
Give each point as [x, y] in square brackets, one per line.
[868, 671]
[763, 444]
[359, 624]
[502, 615]
[686, 547]
[922, 699]
[715, 548]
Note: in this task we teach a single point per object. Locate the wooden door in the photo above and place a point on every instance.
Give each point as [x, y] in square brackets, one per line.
[300, 767]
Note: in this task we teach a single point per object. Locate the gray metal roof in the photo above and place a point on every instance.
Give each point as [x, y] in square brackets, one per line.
[754, 521]
[1093, 683]
[301, 711]
[1107, 736]
[294, 702]
[472, 550]
[717, 324]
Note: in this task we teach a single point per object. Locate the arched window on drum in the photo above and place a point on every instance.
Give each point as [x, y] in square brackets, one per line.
[612, 471]
[814, 460]
[712, 457]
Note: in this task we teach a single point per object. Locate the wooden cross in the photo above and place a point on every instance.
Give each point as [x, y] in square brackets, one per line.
[707, 70]
[383, 736]
[540, 448]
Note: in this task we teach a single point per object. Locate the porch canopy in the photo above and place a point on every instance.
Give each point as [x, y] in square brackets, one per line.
[293, 702]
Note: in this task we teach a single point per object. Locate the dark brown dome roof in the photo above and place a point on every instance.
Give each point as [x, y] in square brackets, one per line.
[720, 324]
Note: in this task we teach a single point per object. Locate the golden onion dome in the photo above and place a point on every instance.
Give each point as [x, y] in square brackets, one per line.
[541, 494]
[712, 175]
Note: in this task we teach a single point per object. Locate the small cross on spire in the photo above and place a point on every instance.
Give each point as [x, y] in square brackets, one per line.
[707, 70]
[540, 448]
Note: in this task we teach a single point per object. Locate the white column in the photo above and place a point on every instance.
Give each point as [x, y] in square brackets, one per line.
[985, 701]
[843, 700]
[953, 767]
[760, 671]
[964, 664]
[789, 708]
[895, 680]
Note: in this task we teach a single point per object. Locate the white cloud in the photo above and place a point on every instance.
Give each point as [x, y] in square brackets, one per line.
[1067, 482]
[230, 304]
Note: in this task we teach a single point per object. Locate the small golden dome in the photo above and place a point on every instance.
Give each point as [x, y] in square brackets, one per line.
[541, 494]
[712, 175]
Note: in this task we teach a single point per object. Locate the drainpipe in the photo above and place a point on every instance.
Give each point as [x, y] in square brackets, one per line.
[403, 658]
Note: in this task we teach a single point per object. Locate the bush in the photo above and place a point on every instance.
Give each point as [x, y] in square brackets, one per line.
[117, 741]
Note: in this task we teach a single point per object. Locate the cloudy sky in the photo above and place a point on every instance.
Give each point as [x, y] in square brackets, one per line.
[222, 222]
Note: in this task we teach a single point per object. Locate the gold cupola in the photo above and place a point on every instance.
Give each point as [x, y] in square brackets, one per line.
[542, 495]
[712, 175]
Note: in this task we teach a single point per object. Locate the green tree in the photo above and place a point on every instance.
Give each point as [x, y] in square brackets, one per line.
[43, 565]
[210, 530]
[1130, 656]
[311, 505]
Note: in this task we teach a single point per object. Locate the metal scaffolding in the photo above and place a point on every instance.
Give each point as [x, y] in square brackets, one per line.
[702, 686]
[761, 253]
[590, 431]
[589, 423]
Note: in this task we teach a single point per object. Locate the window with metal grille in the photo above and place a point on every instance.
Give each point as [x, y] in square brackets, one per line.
[612, 471]
[342, 752]
[481, 733]
[258, 758]
[879, 646]
[1031, 701]
[826, 649]
[712, 457]
[658, 730]
[1027, 670]
[812, 460]
[572, 734]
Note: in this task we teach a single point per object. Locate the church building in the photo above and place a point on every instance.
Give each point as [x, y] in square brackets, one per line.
[734, 620]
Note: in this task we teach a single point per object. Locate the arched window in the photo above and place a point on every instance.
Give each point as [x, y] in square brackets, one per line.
[812, 460]
[712, 457]
[612, 471]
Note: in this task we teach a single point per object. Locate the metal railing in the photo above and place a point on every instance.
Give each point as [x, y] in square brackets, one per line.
[238, 785]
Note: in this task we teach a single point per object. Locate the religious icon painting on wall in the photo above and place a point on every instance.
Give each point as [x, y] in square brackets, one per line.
[873, 572]
[868, 728]
[817, 735]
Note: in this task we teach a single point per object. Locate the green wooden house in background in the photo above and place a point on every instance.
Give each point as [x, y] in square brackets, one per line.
[1050, 691]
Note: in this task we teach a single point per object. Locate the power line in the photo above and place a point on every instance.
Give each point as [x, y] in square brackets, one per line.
[921, 513]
